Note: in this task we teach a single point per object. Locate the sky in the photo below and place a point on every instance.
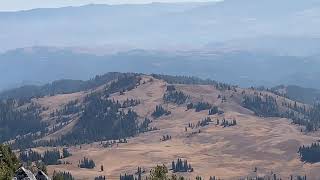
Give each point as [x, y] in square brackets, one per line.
[16, 5]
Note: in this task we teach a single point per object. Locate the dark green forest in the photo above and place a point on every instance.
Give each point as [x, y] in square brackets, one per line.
[14, 122]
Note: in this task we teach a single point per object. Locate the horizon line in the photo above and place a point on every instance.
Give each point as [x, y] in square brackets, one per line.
[110, 4]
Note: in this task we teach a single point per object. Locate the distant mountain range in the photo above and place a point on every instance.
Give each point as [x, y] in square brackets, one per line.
[246, 42]
[161, 25]
[41, 65]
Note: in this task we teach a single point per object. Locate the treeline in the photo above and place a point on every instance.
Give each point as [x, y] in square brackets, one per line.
[193, 80]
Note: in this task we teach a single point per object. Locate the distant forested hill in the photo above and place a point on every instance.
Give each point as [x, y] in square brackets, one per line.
[301, 94]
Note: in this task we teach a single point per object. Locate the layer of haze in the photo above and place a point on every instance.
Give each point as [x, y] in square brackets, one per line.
[16, 5]
[245, 42]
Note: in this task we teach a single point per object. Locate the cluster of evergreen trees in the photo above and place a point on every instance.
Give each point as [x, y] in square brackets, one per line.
[176, 97]
[111, 143]
[51, 157]
[127, 177]
[136, 176]
[208, 120]
[310, 154]
[165, 138]
[87, 163]
[66, 153]
[100, 178]
[265, 106]
[62, 176]
[130, 103]
[226, 123]
[181, 166]
[160, 111]
[205, 122]
[139, 172]
[200, 106]
[214, 110]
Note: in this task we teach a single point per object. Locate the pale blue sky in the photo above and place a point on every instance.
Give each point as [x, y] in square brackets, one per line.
[14, 5]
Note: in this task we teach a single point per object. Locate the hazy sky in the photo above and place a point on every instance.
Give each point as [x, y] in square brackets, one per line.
[14, 5]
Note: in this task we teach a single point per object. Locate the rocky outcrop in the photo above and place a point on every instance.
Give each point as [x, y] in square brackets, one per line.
[24, 174]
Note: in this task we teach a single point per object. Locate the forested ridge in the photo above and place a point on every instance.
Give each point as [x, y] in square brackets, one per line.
[100, 118]
[64, 86]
